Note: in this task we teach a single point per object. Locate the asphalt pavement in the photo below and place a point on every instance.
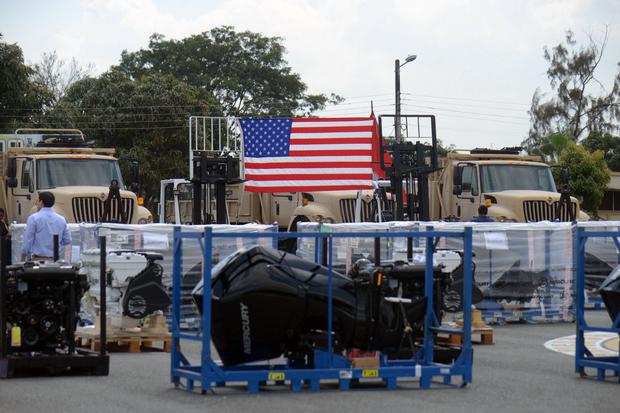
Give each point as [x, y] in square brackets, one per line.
[516, 374]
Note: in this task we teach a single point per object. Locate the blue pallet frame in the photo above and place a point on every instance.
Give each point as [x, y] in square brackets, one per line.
[528, 315]
[595, 302]
[328, 365]
[583, 357]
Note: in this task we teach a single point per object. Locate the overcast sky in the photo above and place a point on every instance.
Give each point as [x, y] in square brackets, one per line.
[479, 62]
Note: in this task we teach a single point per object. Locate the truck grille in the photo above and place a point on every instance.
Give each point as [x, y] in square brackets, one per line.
[347, 209]
[535, 211]
[90, 209]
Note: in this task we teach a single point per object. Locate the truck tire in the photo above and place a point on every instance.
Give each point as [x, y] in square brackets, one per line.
[290, 244]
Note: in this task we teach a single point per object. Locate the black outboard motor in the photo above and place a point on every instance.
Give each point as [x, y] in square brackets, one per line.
[610, 292]
[146, 293]
[267, 303]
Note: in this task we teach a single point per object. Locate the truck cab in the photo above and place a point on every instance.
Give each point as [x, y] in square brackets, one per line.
[518, 188]
[78, 176]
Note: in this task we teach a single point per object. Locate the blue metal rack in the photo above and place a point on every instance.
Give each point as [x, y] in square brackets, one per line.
[583, 357]
[328, 366]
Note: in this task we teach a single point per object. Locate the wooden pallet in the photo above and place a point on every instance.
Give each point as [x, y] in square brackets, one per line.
[126, 341]
[478, 328]
[485, 333]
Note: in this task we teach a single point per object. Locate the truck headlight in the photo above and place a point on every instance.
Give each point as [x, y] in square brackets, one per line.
[142, 221]
[505, 219]
[322, 219]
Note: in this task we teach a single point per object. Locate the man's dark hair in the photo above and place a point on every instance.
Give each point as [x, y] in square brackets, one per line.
[483, 210]
[47, 198]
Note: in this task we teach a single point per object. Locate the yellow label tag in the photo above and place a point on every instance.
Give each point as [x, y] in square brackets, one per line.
[16, 336]
[370, 373]
[276, 376]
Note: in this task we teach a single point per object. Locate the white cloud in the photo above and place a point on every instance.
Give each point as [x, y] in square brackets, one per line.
[67, 44]
[554, 15]
[483, 49]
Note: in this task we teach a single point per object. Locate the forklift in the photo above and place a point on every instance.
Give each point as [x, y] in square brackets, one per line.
[211, 175]
[410, 165]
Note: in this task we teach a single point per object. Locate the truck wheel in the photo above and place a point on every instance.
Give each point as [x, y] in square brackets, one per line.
[290, 244]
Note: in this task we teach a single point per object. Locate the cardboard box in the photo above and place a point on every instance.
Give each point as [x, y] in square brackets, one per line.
[365, 362]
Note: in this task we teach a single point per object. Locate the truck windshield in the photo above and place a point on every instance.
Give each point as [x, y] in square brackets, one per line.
[58, 172]
[496, 178]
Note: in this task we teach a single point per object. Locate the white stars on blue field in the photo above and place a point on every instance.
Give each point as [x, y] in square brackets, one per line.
[264, 138]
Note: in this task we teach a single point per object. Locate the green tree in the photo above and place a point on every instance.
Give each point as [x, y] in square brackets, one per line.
[588, 175]
[552, 146]
[246, 71]
[144, 119]
[442, 150]
[610, 145]
[579, 103]
[58, 75]
[21, 98]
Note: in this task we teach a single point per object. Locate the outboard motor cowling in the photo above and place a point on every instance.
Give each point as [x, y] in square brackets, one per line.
[267, 303]
[610, 292]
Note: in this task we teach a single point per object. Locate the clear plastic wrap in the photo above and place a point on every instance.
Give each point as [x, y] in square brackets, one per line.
[525, 271]
[155, 238]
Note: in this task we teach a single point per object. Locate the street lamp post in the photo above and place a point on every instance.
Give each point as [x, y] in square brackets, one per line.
[397, 67]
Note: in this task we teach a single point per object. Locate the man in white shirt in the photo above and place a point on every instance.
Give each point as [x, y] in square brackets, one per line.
[41, 227]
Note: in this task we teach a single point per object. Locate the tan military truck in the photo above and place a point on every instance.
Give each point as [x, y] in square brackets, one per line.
[285, 208]
[519, 188]
[59, 161]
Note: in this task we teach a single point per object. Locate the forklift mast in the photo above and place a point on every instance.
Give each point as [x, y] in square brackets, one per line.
[411, 163]
[214, 162]
[212, 174]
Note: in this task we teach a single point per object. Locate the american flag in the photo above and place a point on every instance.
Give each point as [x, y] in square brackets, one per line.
[307, 154]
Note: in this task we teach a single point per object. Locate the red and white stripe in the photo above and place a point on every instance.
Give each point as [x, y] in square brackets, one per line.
[326, 154]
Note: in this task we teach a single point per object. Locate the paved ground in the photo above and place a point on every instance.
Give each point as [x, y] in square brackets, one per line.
[517, 374]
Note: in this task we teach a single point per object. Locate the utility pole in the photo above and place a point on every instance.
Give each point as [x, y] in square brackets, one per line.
[397, 88]
[397, 66]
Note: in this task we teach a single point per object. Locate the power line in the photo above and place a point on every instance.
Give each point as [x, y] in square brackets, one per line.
[469, 113]
[357, 109]
[431, 105]
[365, 102]
[369, 96]
[470, 99]
[415, 95]
[449, 115]
[108, 107]
[147, 128]
[446, 112]
[486, 132]
[512, 103]
[494, 108]
[348, 100]
[113, 116]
